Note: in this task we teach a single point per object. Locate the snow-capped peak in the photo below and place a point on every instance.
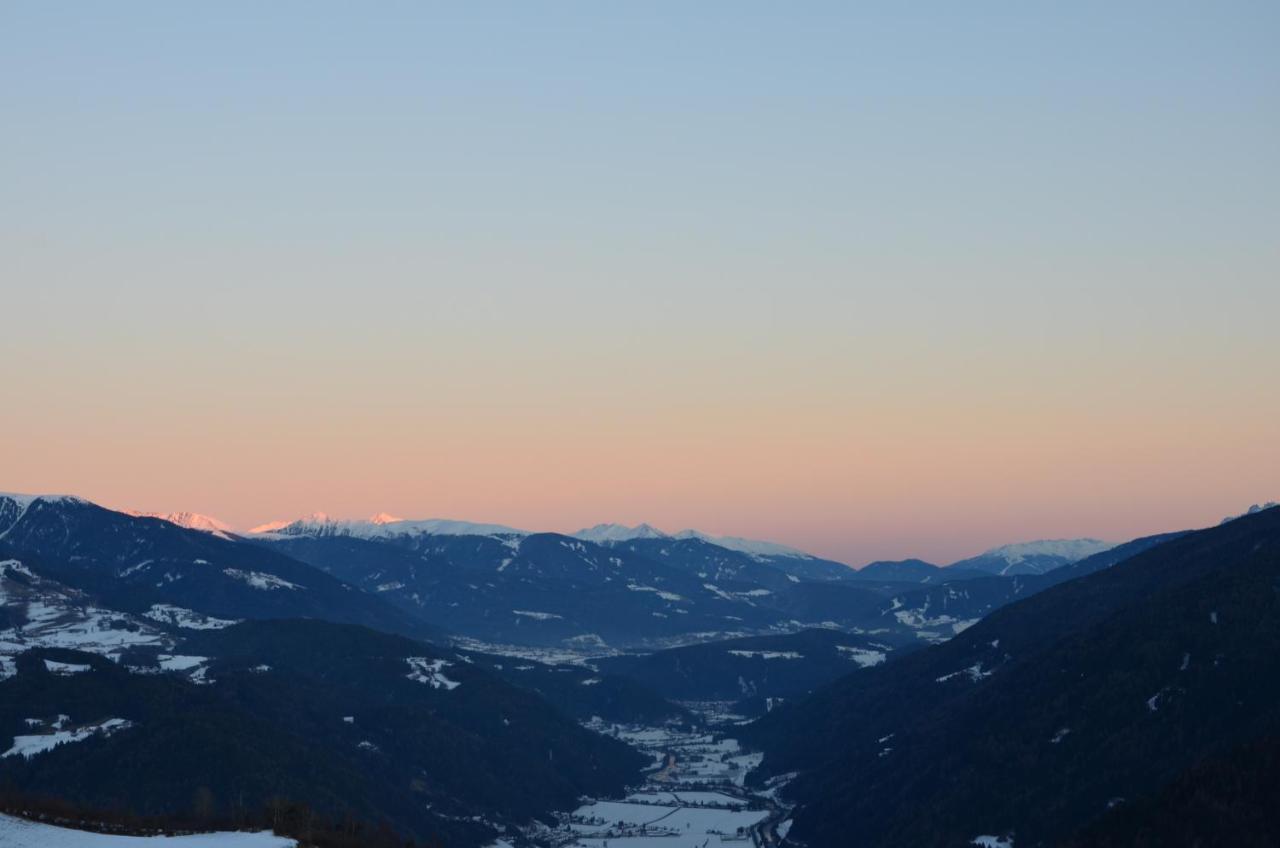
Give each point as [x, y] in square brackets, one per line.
[14, 507]
[1068, 550]
[606, 533]
[381, 526]
[24, 501]
[314, 520]
[189, 520]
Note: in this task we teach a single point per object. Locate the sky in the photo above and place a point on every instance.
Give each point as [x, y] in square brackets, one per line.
[874, 280]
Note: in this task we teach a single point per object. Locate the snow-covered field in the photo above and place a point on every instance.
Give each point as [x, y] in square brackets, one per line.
[645, 825]
[694, 797]
[19, 833]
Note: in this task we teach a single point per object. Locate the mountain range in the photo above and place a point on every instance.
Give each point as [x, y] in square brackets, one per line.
[617, 585]
[1035, 557]
[445, 677]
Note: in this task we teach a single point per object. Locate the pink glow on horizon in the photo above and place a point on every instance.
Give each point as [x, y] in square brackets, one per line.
[831, 476]
[862, 280]
[954, 536]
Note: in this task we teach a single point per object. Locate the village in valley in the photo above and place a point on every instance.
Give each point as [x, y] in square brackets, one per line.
[694, 795]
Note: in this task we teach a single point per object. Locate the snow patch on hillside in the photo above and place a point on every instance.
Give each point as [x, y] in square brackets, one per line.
[973, 672]
[185, 618]
[260, 580]
[430, 672]
[537, 616]
[864, 657]
[666, 596]
[58, 733]
[54, 616]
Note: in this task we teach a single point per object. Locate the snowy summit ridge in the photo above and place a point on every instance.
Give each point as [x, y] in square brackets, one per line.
[189, 520]
[381, 526]
[384, 526]
[606, 534]
[1069, 550]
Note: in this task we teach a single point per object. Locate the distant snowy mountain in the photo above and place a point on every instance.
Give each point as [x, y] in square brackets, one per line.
[1034, 557]
[14, 506]
[138, 565]
[605, 534]
[189, 520]
[1068, 549]
[384, 526]
[380, 526]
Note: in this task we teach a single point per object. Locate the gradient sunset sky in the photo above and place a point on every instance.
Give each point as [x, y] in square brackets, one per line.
[875, 280]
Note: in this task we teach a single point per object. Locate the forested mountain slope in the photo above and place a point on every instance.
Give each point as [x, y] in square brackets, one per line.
[1034, 722]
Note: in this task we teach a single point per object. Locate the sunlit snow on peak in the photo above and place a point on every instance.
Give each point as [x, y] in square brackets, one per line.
[604, 533]
[189, 520]
[382, 526]
[1069, 550]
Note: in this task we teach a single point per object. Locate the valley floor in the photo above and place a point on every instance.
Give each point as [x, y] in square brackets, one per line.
[693, 797]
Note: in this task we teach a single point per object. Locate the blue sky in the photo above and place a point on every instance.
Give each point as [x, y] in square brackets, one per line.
[787, 269]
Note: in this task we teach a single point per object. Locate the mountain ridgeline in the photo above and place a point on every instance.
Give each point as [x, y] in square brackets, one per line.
[631, 587]
[131, 564]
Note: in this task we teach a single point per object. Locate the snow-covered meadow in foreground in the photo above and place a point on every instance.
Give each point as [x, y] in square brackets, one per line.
[20, 833]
